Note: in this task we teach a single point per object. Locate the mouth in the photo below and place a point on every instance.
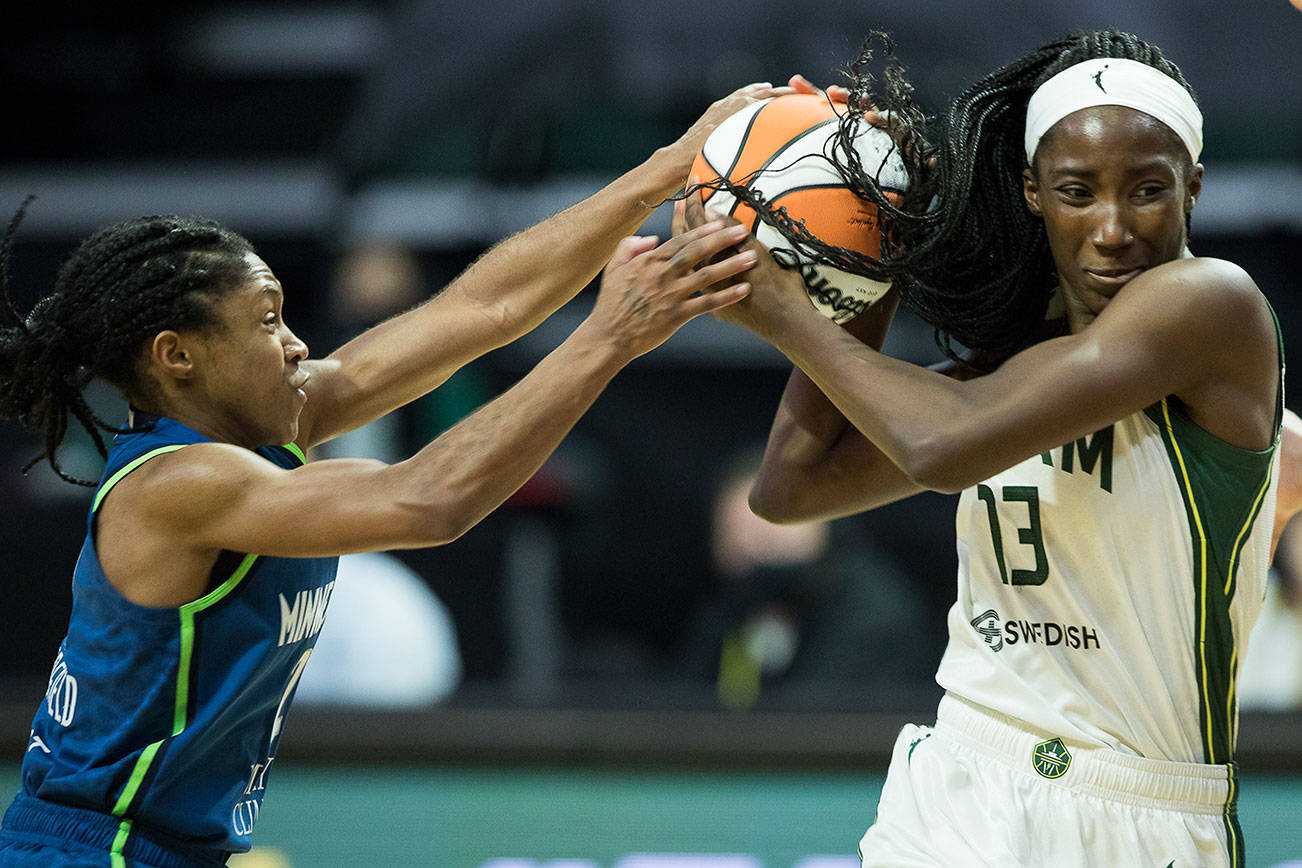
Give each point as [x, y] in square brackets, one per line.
[298, 381]
[1114, 276]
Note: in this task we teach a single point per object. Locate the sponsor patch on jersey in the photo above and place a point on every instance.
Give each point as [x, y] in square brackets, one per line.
[990, 628]
[1051, 758]
[997, 633]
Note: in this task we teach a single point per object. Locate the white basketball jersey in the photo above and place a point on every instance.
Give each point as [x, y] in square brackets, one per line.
[1107, 587]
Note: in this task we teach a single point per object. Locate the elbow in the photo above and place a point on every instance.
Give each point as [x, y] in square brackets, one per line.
[441, 529]
[936, 466]
[434, 517]
[418, 525]
[779, 504]
[448, 518]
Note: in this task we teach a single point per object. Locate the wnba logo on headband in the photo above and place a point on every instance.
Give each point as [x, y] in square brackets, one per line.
[1114, 81]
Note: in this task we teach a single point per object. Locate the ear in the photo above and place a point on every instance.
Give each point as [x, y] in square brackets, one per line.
[171, 355]
[1194, 188]
[1031, 192]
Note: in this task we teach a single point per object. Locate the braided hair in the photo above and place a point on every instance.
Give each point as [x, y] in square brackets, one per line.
[968, 257]
[122, 286]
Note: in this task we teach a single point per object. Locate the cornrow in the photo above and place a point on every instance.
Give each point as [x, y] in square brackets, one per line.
[965, 252]
[122, 286]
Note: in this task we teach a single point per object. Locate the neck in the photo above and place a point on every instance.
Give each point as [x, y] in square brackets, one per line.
[200, 422]
[1078, 315]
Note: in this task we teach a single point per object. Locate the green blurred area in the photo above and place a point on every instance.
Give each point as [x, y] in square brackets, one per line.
[466, 817]
[397, 817]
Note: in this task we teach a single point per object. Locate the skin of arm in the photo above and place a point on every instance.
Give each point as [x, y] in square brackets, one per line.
[164, 525]
[816, 465]
[944, 434]
[503, 295]
[1288, 498]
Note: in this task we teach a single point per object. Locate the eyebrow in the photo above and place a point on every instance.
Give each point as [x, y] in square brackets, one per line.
[1141, 169]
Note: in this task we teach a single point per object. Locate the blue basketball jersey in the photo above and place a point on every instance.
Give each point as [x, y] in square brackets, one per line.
[167, 719]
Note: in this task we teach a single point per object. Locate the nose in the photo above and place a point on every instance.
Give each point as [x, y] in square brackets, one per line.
[1113, 229]
[295, 350]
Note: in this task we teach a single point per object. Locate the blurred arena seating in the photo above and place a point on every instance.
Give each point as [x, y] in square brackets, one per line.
[314, 128]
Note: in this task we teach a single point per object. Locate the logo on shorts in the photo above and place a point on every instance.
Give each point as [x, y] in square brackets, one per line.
[1050, 758]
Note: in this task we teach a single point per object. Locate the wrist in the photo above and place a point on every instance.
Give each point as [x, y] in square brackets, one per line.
[598, 349]
[792, 326]
[664, 173]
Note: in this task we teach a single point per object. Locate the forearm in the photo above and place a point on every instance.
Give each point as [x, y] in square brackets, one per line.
[915, 417]
[363, 505]
[647, 294]
[475, 466]
[522, 280]
[503, 295]
[817, 466]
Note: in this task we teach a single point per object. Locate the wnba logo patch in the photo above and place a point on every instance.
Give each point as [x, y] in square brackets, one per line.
[1051, 758]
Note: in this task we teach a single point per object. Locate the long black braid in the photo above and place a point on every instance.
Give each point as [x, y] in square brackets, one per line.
[122, 286]
[967, 255]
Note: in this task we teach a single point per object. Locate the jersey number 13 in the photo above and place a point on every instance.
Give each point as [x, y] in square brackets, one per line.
[1028, 535]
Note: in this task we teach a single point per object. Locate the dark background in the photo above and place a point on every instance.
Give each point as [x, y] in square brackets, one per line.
[313, 128]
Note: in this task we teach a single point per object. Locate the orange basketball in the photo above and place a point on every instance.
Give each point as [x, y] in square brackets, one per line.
[781, 148]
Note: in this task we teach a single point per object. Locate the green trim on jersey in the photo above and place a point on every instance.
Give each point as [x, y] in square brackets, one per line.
[298, 453]
[1223, 488]
[186, 614]
[130, 466]
[185, 663]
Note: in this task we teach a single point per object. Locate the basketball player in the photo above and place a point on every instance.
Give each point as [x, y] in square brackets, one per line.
[211, 546]
[1117, 479]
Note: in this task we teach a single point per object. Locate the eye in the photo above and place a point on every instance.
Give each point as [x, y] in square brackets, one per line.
[1148, 191]
[271, 318]
[1074, 192]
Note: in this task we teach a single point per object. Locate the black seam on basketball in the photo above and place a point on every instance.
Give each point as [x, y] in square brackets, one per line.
[787, 192]
[709, 191]
[773, 202]
[745, 137]
[791, 141]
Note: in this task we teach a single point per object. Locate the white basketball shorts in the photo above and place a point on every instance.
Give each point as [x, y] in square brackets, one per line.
[979, 789]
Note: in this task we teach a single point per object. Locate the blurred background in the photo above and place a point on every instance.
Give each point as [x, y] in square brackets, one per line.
[622, 662]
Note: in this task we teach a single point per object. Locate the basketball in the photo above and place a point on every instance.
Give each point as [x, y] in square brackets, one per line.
[781, 148]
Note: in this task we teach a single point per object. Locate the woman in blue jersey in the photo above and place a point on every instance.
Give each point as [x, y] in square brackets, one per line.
[211, 546]
[1115, 454]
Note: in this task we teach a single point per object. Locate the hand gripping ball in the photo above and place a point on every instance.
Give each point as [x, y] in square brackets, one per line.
[781, 148]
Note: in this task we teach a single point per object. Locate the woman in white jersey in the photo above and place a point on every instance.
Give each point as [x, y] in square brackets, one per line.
[1115, 462]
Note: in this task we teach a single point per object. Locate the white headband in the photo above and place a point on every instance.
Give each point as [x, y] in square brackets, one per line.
[1114, 81]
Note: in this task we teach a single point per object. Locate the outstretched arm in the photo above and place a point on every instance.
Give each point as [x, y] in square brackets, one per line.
[163, 526]
[505, 294]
